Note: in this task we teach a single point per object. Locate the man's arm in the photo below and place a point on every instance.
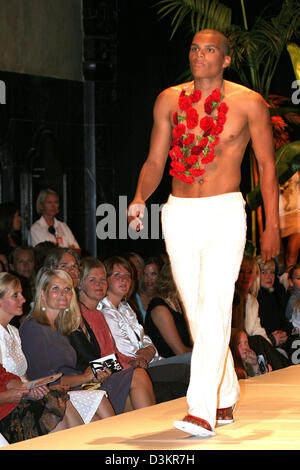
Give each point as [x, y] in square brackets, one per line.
[263, 145]
[153, 168]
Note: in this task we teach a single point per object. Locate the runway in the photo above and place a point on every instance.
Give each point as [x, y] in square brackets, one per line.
[267, 417]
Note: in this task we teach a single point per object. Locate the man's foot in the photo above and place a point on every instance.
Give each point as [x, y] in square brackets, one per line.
[195, 426]
[225, 415]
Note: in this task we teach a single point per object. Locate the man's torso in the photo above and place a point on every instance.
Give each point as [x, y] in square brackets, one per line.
[223, 174]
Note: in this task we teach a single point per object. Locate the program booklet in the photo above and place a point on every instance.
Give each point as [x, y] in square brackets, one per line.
[110, 362]
[42, 381]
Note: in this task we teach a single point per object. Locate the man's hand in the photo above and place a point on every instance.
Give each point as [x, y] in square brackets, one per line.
[135, 213]
[269, 244]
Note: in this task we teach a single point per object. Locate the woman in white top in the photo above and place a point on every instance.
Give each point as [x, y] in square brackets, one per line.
[48, 228]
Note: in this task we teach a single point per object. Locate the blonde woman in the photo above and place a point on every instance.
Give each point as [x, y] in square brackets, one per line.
[52, 410]
[47, 349]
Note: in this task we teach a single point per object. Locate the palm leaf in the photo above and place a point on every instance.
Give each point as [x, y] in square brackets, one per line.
[287, 163]
[203, 14]
[294, 52]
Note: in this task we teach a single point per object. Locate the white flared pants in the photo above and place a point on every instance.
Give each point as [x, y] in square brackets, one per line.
[205, 240]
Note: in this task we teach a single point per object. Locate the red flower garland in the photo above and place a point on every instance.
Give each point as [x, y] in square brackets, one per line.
[188, 152]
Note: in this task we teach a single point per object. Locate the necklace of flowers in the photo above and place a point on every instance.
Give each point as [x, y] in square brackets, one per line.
[187, 150]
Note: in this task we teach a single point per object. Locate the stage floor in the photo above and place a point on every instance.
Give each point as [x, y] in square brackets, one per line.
[267, 417]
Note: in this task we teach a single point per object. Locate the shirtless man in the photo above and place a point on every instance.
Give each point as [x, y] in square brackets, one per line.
[204, 221]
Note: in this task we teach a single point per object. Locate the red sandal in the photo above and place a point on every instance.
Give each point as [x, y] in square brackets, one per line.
[195, 426]
[225, 415]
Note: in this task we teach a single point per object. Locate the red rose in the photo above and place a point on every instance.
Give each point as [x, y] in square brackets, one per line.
[189, 139]
[197, 172]
[222, 108]
[175, 118]
[206, 124]
[192, 159]
[208, 158]
[203, 142]
[196, 150]
[216, 95]
[186, 179]
[221, 119]
[178, 166]
[175, 142]
[179, 130]
[184, 102]
[196, 96]
[176, 152]
[192, 118]
[208, 105]
[217, 129]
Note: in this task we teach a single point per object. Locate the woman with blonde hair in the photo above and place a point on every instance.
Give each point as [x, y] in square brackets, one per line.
[56, 315]
[51, 409]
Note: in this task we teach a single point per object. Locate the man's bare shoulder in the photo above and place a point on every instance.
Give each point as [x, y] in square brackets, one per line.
[243, 94]
[173, 91]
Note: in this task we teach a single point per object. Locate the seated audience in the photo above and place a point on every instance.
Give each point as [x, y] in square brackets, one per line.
[127, 332]
[47, 349]
[47, 227]
[244, 358]
[14, 362]
[245, 313]
[272, 301]
[147, 281]
[169, 381]
[165, 322]
[88, 348]
[10, 227]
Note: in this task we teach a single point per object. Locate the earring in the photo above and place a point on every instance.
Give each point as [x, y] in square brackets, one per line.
[67, 310]
[43, 309]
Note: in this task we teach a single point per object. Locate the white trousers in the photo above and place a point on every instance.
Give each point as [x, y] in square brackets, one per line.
[205, 240]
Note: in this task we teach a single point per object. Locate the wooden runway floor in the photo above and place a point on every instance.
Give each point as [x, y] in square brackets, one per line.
[267, 417]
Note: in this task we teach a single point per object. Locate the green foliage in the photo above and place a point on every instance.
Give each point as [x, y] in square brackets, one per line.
[255, 52]
[203, 14]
